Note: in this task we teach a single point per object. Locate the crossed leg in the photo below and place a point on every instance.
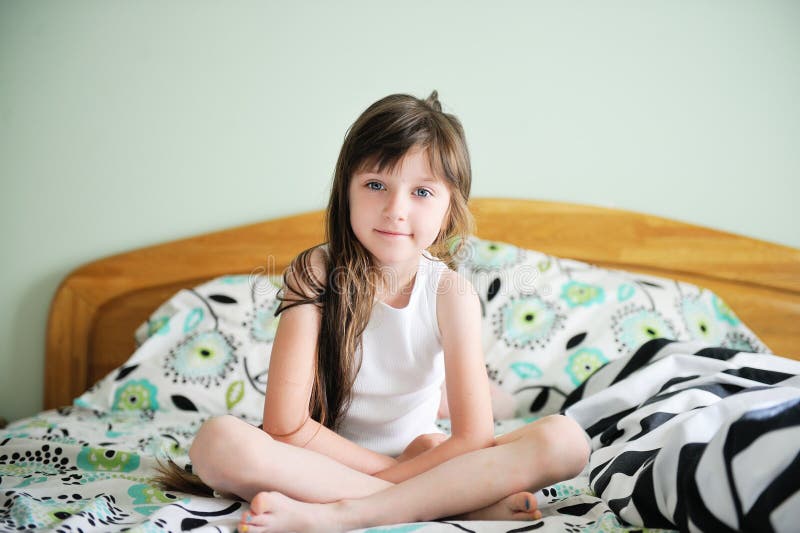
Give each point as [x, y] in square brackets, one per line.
[253, 462]
[548, 450]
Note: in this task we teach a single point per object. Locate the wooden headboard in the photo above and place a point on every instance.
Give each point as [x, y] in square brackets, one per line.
[97, 308]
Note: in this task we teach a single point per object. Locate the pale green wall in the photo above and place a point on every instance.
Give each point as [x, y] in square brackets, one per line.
[123, 124]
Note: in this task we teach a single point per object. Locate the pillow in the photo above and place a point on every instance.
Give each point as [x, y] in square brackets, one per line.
[548, 323]
[206, 349]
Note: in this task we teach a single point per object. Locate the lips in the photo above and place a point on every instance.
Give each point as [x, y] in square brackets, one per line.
[389, 233]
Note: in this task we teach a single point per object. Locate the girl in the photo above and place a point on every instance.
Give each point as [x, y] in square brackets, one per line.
[373, 322]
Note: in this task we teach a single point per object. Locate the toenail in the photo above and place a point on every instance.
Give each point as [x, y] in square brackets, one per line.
[527, 504]
[244, 529]
[248, 518]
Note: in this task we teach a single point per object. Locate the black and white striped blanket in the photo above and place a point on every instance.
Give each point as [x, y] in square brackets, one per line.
[694, 437]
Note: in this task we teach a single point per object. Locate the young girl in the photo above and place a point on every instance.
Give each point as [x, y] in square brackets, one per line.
[373, 322]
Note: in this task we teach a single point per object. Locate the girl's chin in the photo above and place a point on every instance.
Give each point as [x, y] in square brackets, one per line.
[396, 257]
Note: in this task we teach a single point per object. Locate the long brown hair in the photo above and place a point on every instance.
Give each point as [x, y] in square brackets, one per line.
[378, 140]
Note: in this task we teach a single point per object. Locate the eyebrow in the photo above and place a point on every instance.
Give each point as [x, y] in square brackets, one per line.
[427, 179]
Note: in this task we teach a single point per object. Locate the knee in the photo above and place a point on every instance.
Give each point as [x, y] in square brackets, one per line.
[217, 441]
[207, 446]
[565, 445]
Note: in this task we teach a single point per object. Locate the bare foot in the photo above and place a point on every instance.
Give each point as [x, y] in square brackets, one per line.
[519, 506]
[274, 512]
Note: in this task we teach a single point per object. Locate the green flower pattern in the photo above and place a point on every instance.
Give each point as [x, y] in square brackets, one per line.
[578, 294]
[583, 363]
[527, 321]
[103, 459]
[700, 321]
[489, 256]
[136, 395]
[634, 326]
[205, 358]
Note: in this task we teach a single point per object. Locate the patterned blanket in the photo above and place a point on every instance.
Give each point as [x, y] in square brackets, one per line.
[75, 469]
[696, 437]
[684, 436]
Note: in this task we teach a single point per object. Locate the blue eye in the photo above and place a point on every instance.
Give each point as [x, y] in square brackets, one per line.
[423, 193]
[374, 186]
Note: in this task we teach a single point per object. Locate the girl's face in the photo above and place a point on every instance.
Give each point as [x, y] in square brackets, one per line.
[397, 215]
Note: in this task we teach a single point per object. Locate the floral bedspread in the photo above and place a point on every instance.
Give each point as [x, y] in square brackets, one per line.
[77, 469]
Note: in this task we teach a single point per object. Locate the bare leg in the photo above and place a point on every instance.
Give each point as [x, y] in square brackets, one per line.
[253, 462]
[234, 457]
[519, 506]
[543, 452]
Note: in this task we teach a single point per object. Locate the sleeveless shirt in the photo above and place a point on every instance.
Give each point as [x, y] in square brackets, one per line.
[397, 391]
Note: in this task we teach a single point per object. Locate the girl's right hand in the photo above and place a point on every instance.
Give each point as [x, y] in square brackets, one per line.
[421, 444]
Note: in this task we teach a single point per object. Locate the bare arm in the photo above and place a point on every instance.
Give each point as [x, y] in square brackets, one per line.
[289, 383]
[467, 385]
[322, 440]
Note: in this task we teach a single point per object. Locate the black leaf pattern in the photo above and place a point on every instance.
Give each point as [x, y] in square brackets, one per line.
[649, 284]
[222, 298]
[494, 288]
[124, 371]
[188, 524]
[531, 527]
[540, 400]
[576, 340]
[183, 403]
[232, 508]
[579, 509]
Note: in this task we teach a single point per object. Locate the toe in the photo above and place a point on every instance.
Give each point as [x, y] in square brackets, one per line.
[260, 503]
[527, 516]
[251, 523]
[249, 528]
[250, 519]
[524, 502]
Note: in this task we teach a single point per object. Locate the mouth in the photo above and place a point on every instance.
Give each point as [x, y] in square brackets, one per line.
[392, 233]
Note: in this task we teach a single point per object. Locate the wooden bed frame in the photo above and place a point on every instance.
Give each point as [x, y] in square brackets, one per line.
[97, 308]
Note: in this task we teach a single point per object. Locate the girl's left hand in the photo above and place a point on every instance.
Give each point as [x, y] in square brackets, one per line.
[421, 444]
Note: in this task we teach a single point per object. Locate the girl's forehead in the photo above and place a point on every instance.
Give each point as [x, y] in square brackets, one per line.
[417, 160]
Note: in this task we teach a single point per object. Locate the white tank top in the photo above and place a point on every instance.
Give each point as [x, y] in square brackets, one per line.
[397, 391]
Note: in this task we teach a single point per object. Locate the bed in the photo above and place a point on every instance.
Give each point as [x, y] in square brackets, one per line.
[85, 462]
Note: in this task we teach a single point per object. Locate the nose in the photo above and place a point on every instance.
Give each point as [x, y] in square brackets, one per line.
[396, 206]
